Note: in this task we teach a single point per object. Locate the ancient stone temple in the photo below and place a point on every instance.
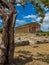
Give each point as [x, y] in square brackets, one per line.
[28, 28]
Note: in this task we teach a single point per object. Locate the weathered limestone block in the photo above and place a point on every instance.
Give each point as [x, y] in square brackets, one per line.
[22, 43]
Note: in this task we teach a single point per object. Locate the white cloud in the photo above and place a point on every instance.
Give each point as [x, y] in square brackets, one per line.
[46, 19]
[34, 17]
[0, 20]
[38, 19]
[18, 5]
[45, 24]
[46, 9]
[20, 22]
[30, 16]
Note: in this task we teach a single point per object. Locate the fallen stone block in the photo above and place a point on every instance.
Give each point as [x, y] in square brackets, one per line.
[22, 43]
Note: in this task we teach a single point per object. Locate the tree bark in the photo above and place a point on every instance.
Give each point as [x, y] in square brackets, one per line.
[11, 39]
[8, 40]
[10, 46]
[4, 42]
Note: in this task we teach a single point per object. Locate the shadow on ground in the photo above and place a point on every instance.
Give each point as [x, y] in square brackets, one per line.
[23, 58]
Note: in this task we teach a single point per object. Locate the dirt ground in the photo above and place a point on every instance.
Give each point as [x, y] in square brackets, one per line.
[27, 55]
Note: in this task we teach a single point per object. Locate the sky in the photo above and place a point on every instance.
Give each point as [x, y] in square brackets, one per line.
[28, 14]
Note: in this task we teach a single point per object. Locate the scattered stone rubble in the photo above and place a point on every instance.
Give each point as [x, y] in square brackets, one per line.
[42, 40]
[33, 40]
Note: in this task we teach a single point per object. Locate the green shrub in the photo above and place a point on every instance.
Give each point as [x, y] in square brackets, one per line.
[43, 34]
[37, 34]
[1, 29]
[47, 33]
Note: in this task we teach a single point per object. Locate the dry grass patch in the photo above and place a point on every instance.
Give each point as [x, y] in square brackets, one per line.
[26, 55]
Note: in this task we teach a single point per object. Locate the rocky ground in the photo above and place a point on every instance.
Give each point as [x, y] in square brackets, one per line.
[32, 54]
[27, 55]
[32, 38]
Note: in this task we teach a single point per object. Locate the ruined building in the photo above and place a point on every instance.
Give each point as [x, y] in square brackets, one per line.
[28, 28]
